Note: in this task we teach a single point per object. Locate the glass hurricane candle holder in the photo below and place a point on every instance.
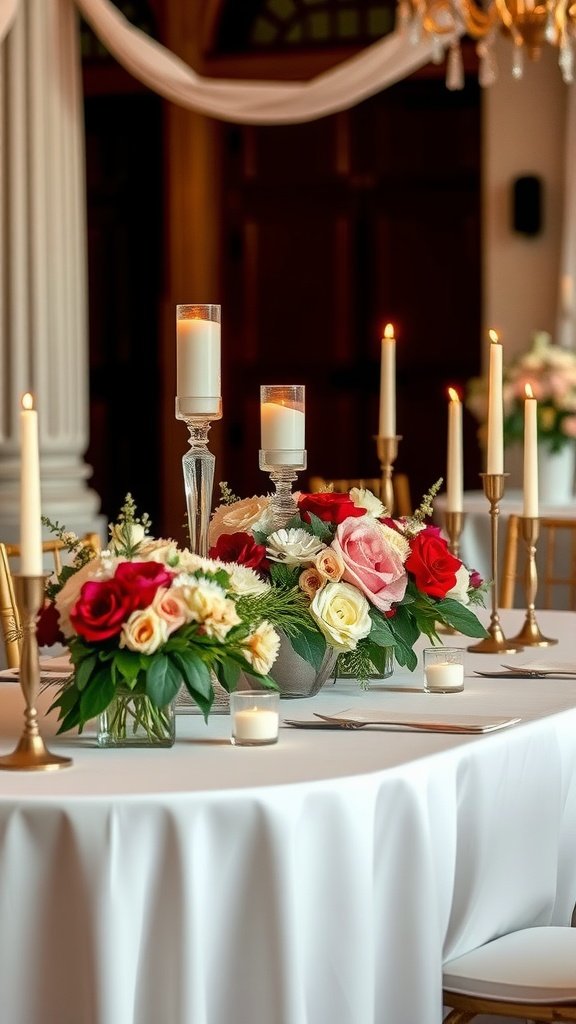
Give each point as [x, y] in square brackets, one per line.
[198, 403]
[282, 454]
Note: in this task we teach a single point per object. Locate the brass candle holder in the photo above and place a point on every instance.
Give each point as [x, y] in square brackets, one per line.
[495, 642]
[387, 449]
[453, 524]
[530, 635]
[30, 754]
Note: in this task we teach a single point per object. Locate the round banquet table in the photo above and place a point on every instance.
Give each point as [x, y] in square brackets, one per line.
[322, 880]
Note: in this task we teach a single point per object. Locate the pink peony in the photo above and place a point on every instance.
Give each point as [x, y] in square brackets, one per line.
[371, 562]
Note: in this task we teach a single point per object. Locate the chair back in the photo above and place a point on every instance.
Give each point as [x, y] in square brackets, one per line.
[400, 485]
[9, 616]
[556, 563]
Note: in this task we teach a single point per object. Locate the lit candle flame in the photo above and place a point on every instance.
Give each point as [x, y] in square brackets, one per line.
[528, 391]
[493, 337]
[389, 331]
[454, 396]
[27, 401]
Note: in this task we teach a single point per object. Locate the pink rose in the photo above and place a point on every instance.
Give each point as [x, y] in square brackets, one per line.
[371, 562]
[170, 608]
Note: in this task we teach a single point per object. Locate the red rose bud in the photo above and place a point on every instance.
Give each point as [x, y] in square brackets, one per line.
[48, 627]
[328, 506]
[431, 564]
[241, 548]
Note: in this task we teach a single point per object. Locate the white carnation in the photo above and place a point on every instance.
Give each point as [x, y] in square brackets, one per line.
[244, 580]
[293, 547]
[396, 540]
[363, 498]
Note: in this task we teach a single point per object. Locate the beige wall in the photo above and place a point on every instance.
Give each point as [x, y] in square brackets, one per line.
[523, 133]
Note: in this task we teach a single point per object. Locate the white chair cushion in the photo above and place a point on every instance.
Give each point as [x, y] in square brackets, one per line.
[535, 965]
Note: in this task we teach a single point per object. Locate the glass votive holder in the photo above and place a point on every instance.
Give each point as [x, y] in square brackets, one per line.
[255, 716]
[443, 669]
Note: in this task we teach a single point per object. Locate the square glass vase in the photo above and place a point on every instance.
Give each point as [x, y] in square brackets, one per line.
[132, 720]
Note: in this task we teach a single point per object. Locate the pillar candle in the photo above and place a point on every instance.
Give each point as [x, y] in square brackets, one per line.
[282, 427]
[454, 471]
[387, 421]
[495, 446]
[31, 562]
[530, 506]
[198, 360]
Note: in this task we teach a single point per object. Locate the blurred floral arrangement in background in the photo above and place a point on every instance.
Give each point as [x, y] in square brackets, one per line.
[551, 372]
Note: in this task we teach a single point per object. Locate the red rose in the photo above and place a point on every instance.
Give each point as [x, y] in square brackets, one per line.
[431, 564]
[141, 580]
[101, 609]
[48, 626]
[241, 548]
[329, 506]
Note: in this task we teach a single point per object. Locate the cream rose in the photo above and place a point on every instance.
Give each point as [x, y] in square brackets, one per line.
[261, 648]
[170, 607]
[459, 592]
[329, 564]
[124, 535]
[144, 631]
[240, 517]
[310, 581]
[163, 551]
[342, 614]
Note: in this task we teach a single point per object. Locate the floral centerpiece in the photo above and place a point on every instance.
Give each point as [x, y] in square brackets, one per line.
[143, 618]
[551, 373]
[349, 577]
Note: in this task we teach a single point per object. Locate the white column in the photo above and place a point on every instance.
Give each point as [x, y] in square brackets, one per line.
[43, 260]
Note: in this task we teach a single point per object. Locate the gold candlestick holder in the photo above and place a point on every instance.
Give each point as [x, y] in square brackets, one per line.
[530, 635]
[495, 642]
[30, 754]
[453, 524]
[387, 449]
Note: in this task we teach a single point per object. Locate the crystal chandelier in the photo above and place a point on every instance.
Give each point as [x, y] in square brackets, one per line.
[530, 24]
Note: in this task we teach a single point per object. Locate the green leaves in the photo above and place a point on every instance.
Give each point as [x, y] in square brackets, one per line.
[461, 618]
[163, 680]
[310, 644]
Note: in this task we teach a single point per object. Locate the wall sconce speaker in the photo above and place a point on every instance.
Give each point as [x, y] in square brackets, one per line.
[527, 205]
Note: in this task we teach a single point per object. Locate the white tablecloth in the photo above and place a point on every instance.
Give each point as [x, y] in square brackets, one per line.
[475, 541]
[319, 881]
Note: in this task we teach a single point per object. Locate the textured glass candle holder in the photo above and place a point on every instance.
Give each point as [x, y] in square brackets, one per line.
[443, 669]
[282, 454]
[198, 341]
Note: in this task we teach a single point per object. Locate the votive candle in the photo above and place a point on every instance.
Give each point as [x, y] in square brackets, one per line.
[530, 503]
[495, 444]
[454, 469]
[31, 560]
[387, 420]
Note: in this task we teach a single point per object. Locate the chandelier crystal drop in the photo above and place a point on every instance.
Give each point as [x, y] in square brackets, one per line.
[529, 24]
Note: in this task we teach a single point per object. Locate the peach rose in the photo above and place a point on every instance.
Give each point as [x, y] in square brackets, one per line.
[144, 631]
[310, 582]
[371, 562]
[329, 564]
[171, 608]
[239, 517]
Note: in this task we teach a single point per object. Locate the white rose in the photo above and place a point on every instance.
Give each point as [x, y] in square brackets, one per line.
[144, 631]
[460, 591]
[208, 605]
[125, 535]
[293, 547]
[363, 498]
[342, 614]
[163, 551]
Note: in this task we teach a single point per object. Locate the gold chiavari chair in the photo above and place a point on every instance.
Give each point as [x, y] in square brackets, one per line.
[556, 560]
[9, 617]
[400, 484]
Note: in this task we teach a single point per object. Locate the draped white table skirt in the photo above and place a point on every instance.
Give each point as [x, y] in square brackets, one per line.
[319, 881]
